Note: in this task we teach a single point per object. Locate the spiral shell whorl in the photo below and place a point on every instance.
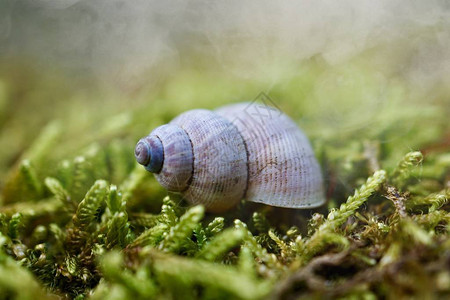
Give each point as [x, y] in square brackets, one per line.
[149, 153]
[219, 178]
[177, 169]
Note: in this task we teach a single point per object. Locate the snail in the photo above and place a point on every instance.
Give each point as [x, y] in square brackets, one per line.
[240, 151]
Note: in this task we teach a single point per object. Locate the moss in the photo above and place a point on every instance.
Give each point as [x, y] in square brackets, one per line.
[81, 220]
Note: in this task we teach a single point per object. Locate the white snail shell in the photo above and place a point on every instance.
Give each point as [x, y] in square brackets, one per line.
[216, 158]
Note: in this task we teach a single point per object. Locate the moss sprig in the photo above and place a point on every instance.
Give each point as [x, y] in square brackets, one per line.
[403, 170]
[208, 275]
[86, 214]
[337, 217]
[178, 234]
[221, 244]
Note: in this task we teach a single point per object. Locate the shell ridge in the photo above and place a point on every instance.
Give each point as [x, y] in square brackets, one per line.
[246, 153]
[177, 167]
[163, 156]
[193, 161]
[220, 167]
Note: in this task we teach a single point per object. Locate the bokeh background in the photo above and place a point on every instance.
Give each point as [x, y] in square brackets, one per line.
[89, 76]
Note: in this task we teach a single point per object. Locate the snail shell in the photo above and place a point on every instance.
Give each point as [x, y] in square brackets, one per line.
[216, 158]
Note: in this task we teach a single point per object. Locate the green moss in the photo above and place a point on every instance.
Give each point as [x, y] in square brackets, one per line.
[81, 220]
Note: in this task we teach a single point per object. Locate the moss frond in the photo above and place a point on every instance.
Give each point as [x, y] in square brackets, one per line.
[221, 244]
[337, 217]
[182, 231]
[208, 275]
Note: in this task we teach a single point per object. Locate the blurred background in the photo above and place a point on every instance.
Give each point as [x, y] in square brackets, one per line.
[79, 78]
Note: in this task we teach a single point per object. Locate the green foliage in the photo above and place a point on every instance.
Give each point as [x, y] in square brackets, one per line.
[140, 285]
[215, 278]
[325, 233]
[403, 169]
[17, 282]
[221, 244]
[14, 225]
[178, 234]
[79, 219]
